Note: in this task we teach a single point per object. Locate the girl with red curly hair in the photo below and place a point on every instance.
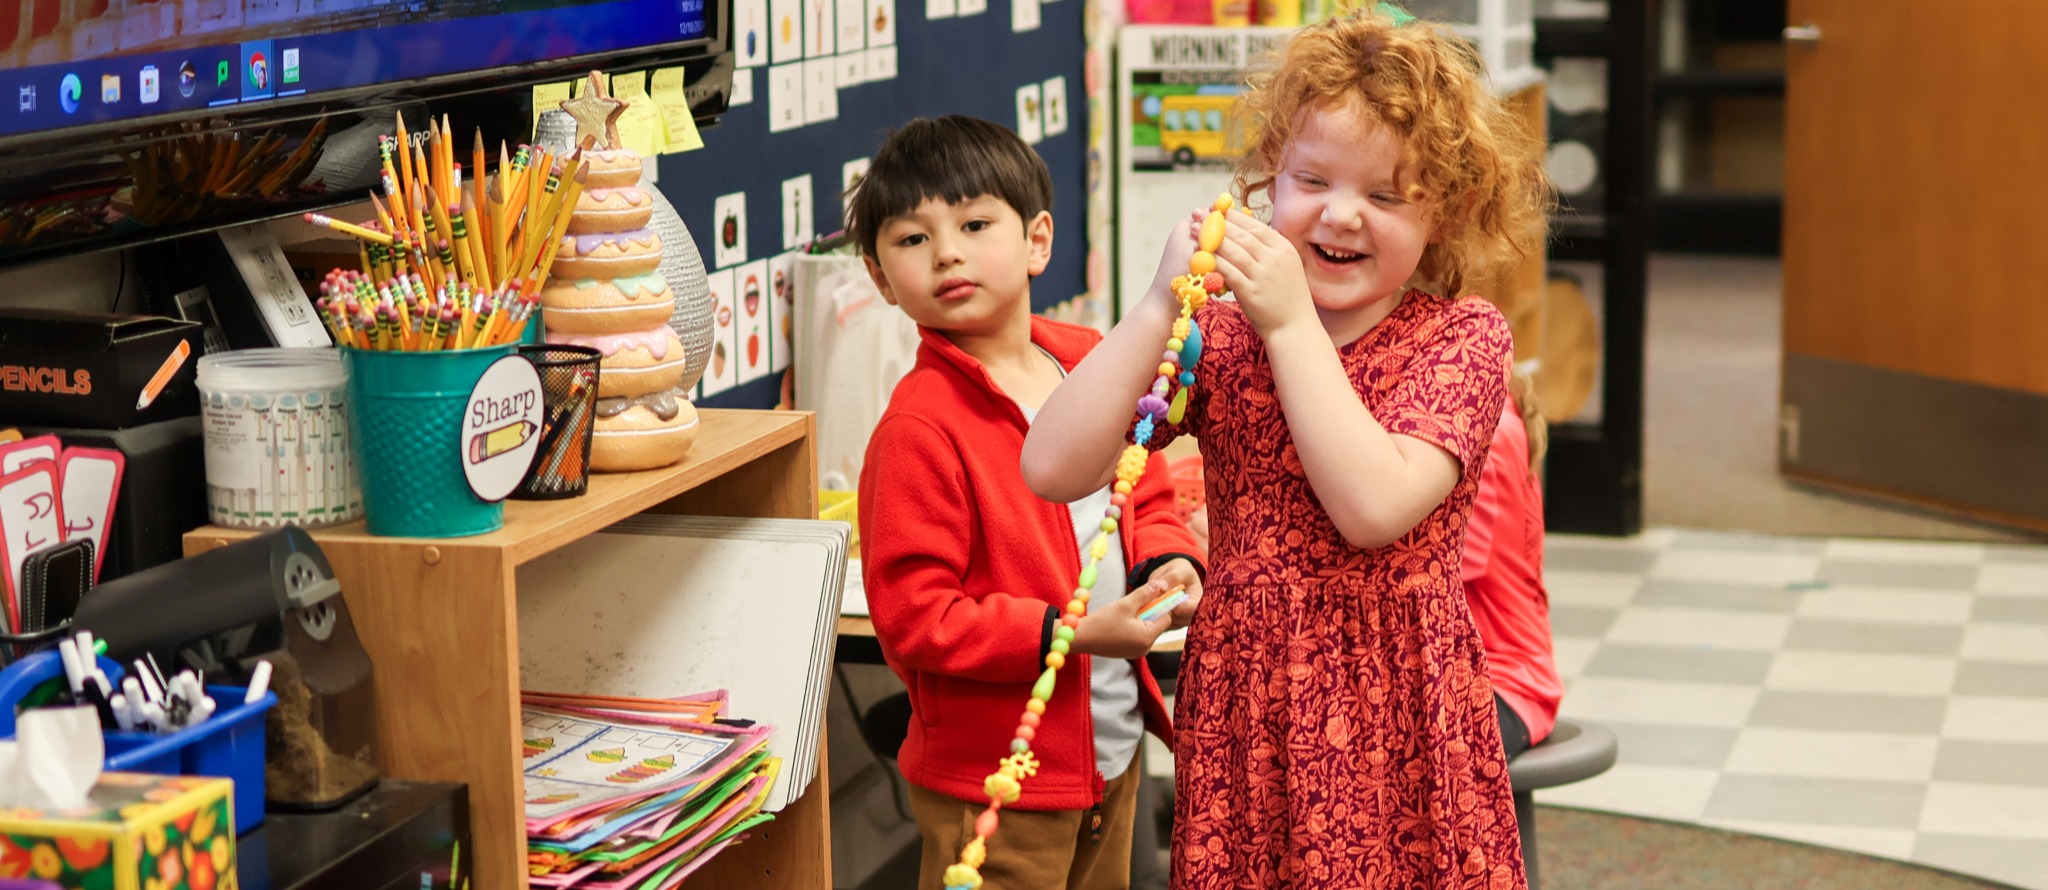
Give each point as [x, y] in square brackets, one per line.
[1335, 727]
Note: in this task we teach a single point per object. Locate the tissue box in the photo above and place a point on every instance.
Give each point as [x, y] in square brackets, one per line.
[137, 832]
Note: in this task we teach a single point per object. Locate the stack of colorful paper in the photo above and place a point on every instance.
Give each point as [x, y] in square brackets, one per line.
[636, 794]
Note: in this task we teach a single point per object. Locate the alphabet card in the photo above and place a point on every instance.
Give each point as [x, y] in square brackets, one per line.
[881, 23]
[850, 175]
[797, 218]
[782, 309]
[722, 372]
[850, 69]
[1030, 105]
[1025, 15]
[752, 331]
[941, 9]
[881, 63]
[786, 35]
[820, 27]
[1055, 98]
[972, 7]
[742, 87]
[31, 519]
[90, 482]
[852, 21]
[750, 19]
[729, 229]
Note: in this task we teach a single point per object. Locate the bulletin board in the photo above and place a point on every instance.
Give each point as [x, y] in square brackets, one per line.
[817, 90]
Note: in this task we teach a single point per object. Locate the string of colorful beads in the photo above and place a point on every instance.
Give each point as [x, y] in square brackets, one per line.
[1176, 365]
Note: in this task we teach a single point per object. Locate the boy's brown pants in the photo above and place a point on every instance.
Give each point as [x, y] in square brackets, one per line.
[1033, 850]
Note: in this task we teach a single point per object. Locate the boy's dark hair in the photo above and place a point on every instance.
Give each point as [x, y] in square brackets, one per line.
[953, 158]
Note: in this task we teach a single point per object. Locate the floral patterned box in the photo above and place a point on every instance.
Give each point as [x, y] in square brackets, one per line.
[137, 832]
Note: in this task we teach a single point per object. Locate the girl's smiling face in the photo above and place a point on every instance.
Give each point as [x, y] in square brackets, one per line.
[1339, 198]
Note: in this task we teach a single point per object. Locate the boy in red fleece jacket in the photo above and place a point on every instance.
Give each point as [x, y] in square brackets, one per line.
[967, 570]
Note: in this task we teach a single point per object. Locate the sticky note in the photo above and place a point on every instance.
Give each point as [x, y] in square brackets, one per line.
[640, 127]
[667, 91]
[548, 96]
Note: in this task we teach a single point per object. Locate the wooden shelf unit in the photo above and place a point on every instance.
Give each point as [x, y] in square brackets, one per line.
[439, 618]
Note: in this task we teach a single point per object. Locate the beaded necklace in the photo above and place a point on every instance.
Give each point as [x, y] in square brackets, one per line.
[1177, 364]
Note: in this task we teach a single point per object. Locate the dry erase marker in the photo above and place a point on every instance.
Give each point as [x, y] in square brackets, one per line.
[74, 676]
[259, 682]
[164, 373]
[121, 716]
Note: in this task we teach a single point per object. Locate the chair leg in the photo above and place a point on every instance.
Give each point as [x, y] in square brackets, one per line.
[1525, 823]
[899, 791]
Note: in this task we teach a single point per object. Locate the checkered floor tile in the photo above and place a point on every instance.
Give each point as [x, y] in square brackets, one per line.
[1884, 697]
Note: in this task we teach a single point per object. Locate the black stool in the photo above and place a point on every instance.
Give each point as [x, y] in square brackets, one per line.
[1574, 752]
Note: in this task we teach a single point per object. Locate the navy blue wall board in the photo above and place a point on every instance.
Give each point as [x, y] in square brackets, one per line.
[974, 64]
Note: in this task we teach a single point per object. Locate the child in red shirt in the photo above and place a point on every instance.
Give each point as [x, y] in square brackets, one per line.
[1503, 575]
[966, 570]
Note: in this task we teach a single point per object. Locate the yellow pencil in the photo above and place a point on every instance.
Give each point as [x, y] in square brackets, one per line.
[373, 237]
[539, 275]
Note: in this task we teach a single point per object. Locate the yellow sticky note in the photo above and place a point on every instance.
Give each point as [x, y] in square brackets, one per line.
[547, 96]
[640, 127]
[667, 89]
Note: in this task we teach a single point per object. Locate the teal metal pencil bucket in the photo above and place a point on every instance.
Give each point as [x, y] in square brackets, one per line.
[407, 424]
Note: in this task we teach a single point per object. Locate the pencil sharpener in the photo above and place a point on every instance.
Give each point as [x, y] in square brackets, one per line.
[272, 597]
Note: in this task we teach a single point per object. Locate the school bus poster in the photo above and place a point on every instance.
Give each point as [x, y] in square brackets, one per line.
[1181, 88]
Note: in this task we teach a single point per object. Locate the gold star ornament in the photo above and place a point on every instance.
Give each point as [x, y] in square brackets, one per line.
[596, 113]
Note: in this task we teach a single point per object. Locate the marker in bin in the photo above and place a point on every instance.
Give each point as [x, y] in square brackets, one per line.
[1166, 602]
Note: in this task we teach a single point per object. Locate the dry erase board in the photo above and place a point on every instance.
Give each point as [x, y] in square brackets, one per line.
[820, 95]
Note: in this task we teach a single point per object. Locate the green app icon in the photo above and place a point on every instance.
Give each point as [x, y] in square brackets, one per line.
[221, 74]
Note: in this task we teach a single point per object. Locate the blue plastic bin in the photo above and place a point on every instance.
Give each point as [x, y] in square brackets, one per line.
[228, 745]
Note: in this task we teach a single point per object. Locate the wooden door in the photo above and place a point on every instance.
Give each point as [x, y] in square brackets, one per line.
[1916, 252]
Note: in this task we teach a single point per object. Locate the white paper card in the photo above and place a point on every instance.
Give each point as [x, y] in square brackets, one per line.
[751, 332]
[850, 174]
[742, 87]
[853, 16]
[881, 22]
[973, 7]
[785, 97]
[940, 9]
[796, 212]
[721, 372]
[821, 90]
[729, 229]
[882, 64]
[819, 28]
[1024, 15]
[850, 69]
[1030, 126]
[782, 313]
[1055, 99]
[750, 24]
[786, 30]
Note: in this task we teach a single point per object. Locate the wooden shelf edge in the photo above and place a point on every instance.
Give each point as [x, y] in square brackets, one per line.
[728, 440]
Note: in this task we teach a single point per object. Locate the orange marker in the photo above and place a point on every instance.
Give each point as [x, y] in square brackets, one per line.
[164, 373]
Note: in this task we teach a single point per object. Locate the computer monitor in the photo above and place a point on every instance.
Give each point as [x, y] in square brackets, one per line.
[68, 64]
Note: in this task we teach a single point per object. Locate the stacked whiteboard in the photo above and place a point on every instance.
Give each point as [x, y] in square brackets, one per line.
[662, 606]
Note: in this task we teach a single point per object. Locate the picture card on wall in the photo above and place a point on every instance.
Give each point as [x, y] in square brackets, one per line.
[782, 308]
[849, 175]
[853, 20]
[786, 30]
[821, 90]
[750, 23]
[941, 9]
[881, 22]
[1055, 98]
[785, 97]
[31, 519]
[722, 372]
[1030, 126]
[819, 27]
[881, 63]
[850, 69]
[729, 229]
[796, 212]
[751, 329]
[742, 87]
[1025, 15]
[973, 7]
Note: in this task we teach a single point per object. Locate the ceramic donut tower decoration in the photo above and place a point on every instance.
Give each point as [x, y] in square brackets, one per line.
[1176, 365]
[605, 291]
